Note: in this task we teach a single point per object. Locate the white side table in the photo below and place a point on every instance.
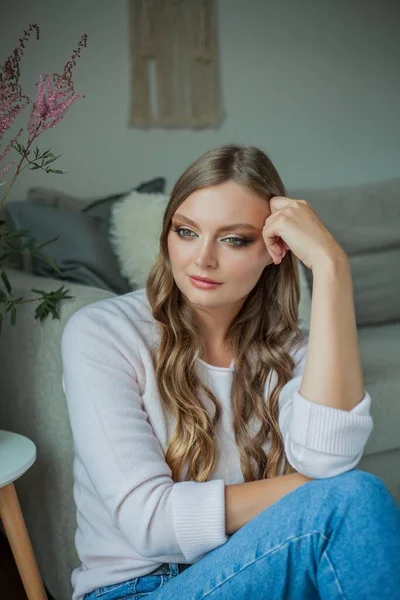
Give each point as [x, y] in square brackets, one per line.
[17, 454]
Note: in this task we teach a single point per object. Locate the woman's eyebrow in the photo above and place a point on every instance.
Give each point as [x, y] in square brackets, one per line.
[220, 229]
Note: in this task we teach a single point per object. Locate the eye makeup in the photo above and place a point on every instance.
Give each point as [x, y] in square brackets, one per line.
[239, 241]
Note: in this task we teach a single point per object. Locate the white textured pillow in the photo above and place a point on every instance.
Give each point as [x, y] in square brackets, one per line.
[135, 229]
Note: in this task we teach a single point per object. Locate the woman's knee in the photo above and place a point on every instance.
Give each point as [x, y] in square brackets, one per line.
[319, 498]
[318, 504]
[354, 485]
[356, 480]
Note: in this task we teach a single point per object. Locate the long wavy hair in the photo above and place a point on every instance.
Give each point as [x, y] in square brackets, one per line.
[260, 338]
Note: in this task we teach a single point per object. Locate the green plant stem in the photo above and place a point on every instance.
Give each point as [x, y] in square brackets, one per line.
[19, 170]
[26, 300]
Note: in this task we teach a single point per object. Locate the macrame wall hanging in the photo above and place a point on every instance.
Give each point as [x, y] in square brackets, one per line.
[178, 39]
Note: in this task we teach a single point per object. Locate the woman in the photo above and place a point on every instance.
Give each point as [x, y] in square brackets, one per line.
[215, 443]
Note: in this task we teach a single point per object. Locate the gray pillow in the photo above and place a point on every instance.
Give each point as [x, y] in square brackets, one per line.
[82, 252]
[48, 196]
[365, 220]
[57, 198]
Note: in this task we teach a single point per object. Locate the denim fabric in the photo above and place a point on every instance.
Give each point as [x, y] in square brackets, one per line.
[332, 539]
[138, 587]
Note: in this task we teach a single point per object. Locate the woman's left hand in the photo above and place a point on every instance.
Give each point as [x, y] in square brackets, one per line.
[293, 225]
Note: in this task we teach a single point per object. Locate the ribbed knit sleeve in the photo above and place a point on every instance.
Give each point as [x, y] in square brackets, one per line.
[116, 445]
[321, 441]
[199, 516]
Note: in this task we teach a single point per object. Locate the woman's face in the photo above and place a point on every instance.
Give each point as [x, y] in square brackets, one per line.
[235, 257]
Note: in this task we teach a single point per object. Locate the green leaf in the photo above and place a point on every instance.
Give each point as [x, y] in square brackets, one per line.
[13, 315]
[18, 233]
[54, 158]
[52, 264]
[57, 171]
[18, 147]
[49, 261]
[48, 242]
[6, 282]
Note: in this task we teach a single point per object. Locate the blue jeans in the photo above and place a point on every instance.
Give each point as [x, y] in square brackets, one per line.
[330, 539]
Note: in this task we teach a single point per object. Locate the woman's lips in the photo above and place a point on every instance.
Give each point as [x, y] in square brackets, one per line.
[204, 285]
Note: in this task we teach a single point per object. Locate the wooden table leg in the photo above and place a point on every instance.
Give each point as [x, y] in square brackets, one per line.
[20, 544]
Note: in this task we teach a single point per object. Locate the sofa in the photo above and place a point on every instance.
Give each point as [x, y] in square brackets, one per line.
[32, 401]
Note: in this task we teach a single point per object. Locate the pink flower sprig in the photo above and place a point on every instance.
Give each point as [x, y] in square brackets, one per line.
[10, 71]
[12, 100]
[76, 54]
[52, 102]
[55, 95]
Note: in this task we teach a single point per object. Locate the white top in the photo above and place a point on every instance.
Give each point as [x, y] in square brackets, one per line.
[17, 454]
[131, 515]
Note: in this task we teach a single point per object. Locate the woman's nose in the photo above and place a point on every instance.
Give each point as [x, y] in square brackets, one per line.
[206, 257]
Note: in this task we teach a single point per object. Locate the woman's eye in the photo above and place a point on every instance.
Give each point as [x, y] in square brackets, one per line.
[238, 241]
[180, 229]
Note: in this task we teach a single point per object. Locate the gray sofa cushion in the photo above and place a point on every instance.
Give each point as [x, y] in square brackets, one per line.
[365, 220]
[95, 206]
[57, 198]
[376, 286]
[82, 251]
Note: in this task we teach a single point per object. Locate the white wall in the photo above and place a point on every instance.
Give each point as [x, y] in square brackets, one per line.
[314, 83]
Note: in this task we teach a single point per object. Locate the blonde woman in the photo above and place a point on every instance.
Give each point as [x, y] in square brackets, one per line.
[215, 441]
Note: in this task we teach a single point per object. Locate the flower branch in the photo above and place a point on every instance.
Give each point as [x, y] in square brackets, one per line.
[55, 95]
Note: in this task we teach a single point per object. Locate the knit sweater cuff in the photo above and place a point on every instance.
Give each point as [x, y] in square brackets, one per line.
[330, 430]
[199, 516]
